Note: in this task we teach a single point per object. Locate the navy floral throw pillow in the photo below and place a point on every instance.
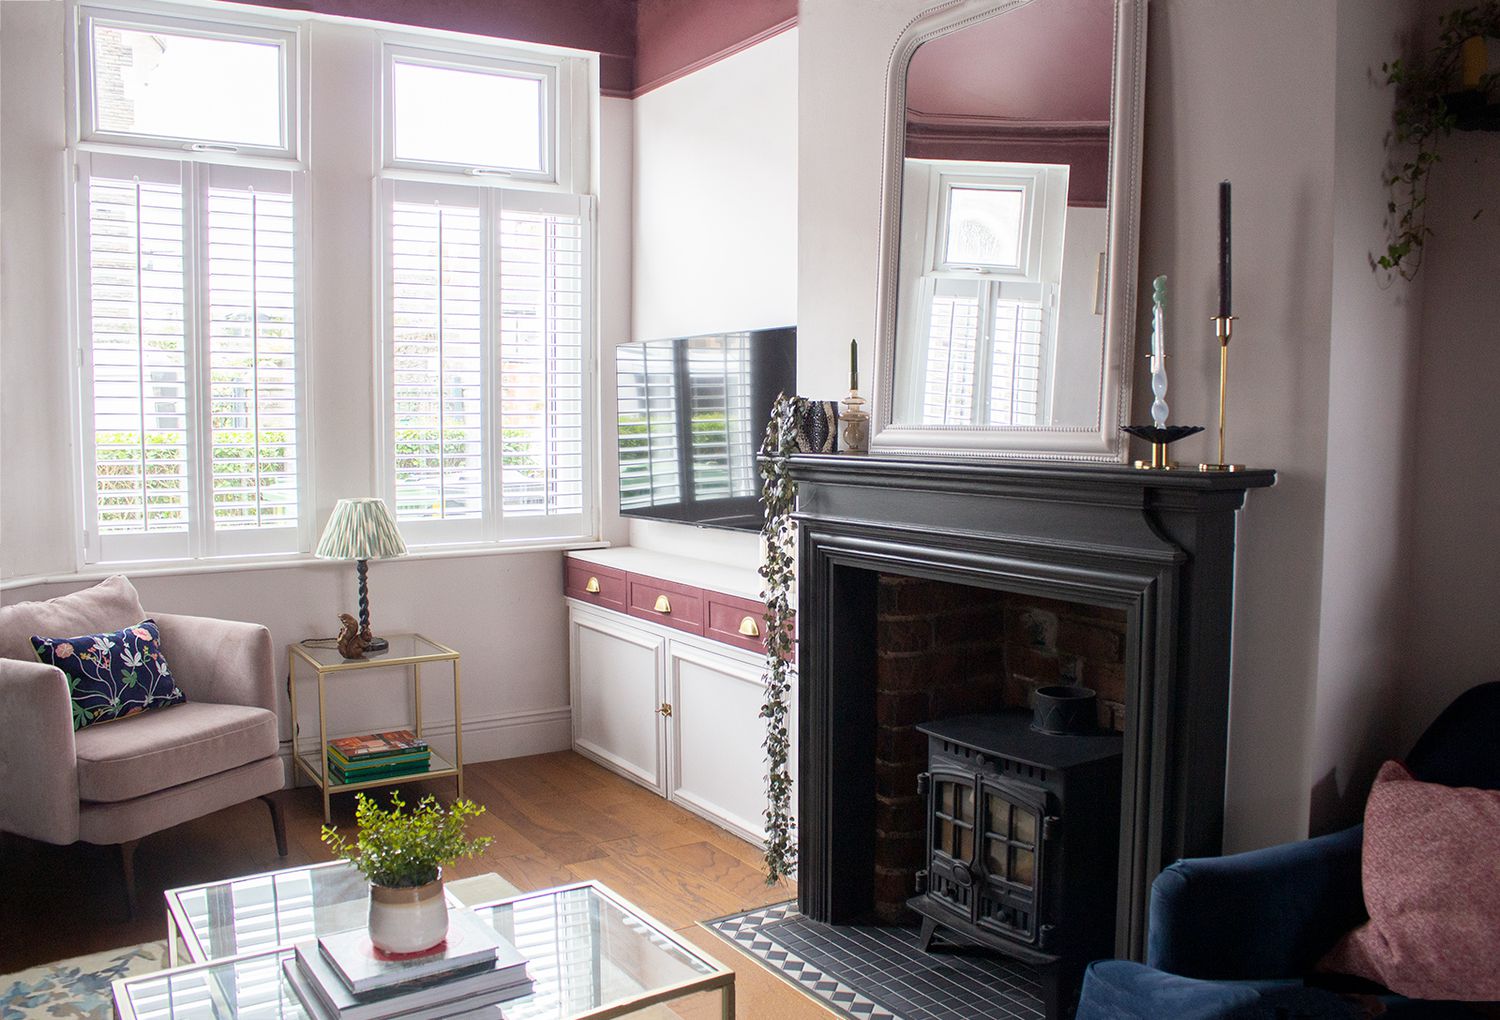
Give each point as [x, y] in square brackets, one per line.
[114, 675]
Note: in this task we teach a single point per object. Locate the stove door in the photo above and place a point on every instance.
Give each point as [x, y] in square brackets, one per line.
[950, 839]
[1010, 858]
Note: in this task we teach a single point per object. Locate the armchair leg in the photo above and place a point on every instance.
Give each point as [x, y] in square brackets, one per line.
[278, 823]
[125, 854]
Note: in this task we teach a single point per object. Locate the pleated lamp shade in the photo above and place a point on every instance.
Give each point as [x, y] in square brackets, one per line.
[360, 529]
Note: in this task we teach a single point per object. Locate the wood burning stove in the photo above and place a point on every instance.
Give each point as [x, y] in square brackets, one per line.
[1023, 833]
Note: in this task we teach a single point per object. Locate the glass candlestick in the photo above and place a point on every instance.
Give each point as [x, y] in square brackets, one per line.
[854, 424]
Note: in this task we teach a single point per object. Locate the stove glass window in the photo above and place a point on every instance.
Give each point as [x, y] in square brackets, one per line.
[1010, 841]
[955, 819]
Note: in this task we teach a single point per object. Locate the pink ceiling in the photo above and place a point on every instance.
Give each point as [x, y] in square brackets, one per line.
[1047, 61]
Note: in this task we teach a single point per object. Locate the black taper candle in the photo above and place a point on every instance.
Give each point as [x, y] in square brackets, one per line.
[1224, 271]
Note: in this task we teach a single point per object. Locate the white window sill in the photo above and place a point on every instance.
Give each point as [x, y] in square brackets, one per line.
[168, 568]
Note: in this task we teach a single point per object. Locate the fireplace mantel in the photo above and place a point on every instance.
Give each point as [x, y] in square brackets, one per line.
[1157, 544]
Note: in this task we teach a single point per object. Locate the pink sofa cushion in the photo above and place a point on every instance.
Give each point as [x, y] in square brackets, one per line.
[153, 751]
[110, 605]
[1432, 886]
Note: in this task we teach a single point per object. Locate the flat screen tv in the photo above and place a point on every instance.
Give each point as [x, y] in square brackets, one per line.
[693, 411]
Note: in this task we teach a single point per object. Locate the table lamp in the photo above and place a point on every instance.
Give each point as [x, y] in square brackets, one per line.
[362, 530]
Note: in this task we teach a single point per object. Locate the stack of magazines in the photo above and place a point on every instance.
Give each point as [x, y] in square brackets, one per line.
[344, 977]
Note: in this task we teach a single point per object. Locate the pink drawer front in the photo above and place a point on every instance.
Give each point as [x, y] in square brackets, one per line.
[736, 621]
[668, 603]
[590, 582]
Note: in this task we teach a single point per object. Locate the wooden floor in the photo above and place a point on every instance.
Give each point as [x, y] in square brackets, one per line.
[555, 818]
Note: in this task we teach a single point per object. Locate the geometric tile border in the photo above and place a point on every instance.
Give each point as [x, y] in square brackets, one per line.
[880, 973]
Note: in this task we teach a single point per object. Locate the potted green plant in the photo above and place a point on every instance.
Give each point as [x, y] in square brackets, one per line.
[403, 853]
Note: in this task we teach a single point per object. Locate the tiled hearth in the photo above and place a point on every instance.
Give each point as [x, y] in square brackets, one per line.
[880, 973]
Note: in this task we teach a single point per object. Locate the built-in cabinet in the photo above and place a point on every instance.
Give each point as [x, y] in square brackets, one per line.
[666, 684]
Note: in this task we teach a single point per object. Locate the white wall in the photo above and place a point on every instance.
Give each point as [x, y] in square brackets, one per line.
[1365, 598]
[716, 224]
[1243, 91]
[504, 612]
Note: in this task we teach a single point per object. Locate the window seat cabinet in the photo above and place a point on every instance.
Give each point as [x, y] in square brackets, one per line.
[667, 680]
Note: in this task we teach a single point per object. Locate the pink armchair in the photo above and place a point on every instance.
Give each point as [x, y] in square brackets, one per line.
[115, 782]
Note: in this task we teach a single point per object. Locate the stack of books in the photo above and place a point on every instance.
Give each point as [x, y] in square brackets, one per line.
[377, 756]
[344, 977]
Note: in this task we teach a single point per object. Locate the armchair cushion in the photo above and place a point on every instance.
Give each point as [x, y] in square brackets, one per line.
[1121, 990]
[114, 675]
[112, 604]
[1432, 883]
[159, 750]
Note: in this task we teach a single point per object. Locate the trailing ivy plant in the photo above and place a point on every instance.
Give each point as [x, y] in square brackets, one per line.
[779, 571]
[400, 849]
[1422, 118]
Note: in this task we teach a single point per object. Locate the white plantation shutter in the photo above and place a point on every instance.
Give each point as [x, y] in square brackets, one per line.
[248, 228]
[1018, 332]
[437, 356]
[188, 298]
[541, 345]
[646, 389]
[953, 327]
[135, 294]
[719, 396]
[488, 329]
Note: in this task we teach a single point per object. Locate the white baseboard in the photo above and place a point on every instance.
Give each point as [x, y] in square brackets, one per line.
[489, 738]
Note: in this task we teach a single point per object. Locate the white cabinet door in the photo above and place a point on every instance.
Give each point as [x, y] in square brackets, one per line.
[718, 763]
[617, 694]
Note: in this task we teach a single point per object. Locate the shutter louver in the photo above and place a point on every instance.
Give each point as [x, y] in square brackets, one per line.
[437, 367]
[719, 384]
[952, 343]
[135, 302]
[541, 293]
[252, 338]
[1016, 368]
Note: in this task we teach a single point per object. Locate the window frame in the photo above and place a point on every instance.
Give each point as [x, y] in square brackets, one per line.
[288, 36]
[202, 539]
[556, 150]
[493, 526]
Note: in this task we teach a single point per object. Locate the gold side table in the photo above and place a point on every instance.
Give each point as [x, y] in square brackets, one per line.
[412, 650]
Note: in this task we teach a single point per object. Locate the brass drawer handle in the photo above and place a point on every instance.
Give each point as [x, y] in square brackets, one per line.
[749, 628]
[663, 606]
[666, 709]
[593, 586]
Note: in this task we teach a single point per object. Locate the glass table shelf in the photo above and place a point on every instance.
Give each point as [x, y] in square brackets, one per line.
[591, 955]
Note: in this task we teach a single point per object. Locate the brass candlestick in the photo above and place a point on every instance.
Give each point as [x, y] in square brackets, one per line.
[1223, 329]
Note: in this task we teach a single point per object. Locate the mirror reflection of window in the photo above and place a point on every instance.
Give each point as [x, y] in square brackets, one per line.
[986, 302]
[718, 374]
[649, 462]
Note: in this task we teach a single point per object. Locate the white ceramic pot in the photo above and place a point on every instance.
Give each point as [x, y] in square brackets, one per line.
[408, 920]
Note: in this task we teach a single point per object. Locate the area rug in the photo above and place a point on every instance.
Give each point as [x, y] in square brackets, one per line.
[876, 973]
[76, 989]
[79, 989]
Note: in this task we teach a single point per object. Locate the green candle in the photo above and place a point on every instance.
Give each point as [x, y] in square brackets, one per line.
[853, 365]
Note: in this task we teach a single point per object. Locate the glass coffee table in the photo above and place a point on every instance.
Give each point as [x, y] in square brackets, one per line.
[591, 954]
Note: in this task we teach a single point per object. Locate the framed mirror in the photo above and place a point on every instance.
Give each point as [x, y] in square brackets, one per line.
[1009, 230]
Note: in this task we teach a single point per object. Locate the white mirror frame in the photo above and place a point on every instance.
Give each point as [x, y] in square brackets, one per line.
[1103, 441]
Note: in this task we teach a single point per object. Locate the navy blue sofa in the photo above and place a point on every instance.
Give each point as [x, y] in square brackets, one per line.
[1236, 937]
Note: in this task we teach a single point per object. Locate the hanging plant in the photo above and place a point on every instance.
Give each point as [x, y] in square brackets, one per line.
[1424, 115]
[780, 494]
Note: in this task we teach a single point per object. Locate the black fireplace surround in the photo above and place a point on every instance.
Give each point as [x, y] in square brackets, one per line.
[1158, 545]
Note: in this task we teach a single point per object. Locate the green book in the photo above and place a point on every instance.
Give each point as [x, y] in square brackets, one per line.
[376, 762]
[365, 775]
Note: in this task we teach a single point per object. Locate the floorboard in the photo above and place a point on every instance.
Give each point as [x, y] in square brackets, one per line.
[555, 818]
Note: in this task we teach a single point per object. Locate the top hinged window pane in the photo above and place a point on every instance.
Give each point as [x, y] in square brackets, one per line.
[183, 84]
[984, 226]
[470, 114]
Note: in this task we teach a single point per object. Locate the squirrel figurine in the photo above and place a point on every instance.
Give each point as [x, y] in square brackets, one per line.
[351, 641]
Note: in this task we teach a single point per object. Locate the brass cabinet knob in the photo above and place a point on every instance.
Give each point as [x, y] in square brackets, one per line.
[593, 586]
[749, 628]
[666, 709]
[663, 606]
